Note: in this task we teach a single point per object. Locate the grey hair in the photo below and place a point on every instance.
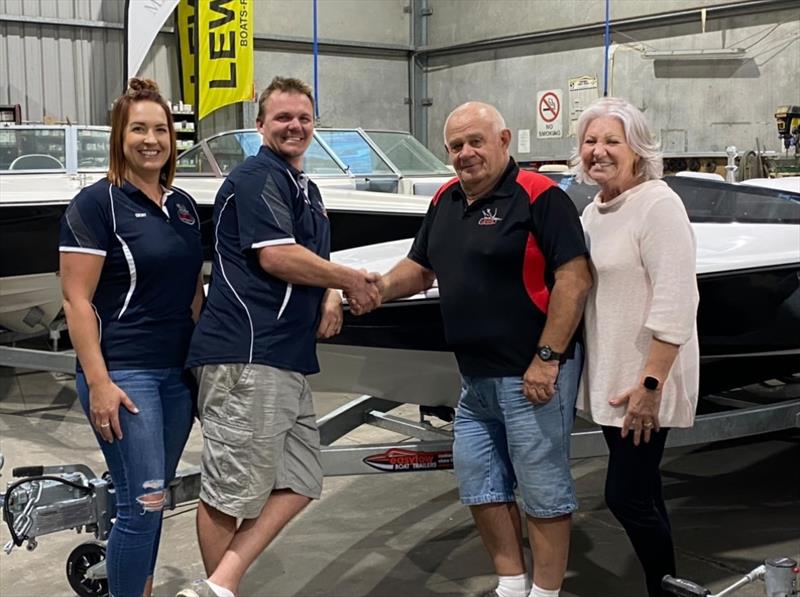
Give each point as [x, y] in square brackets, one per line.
[638, 135]
[489, 110]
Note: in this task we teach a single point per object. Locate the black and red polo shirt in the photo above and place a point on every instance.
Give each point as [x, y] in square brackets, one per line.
[494, 261]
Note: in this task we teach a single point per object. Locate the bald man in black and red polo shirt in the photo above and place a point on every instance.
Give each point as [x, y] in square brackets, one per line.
[508, 251]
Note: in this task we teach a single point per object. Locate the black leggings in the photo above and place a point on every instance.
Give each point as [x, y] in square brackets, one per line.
[633, 494]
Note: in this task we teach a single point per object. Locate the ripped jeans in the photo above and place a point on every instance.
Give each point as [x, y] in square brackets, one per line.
[142, 463]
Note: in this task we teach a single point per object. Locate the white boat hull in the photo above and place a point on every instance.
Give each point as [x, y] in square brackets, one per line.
[28, 304]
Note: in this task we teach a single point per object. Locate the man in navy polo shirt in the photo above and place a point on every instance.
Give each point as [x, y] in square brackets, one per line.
[508, 251]
[272, 292]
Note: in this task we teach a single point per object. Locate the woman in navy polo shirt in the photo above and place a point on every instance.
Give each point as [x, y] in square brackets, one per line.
[130, 273]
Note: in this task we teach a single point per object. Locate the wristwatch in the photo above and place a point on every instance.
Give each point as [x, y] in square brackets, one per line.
[548, 354]
[651, 383]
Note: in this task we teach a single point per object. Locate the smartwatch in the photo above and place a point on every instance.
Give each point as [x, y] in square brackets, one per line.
[651, 383]
[548, 354]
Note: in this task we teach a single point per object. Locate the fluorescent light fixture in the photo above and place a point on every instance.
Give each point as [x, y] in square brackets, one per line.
[713, 54]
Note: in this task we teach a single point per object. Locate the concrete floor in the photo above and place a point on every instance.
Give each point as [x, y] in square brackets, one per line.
[405, 535]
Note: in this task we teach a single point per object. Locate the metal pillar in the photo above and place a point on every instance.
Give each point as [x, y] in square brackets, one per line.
[418, 71]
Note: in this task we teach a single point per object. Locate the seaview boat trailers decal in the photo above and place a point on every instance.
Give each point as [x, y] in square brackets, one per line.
[397, 460]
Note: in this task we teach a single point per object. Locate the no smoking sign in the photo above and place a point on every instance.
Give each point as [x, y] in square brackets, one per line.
[548, 114]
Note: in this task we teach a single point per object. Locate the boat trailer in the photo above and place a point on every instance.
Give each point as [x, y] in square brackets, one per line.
[47, 499]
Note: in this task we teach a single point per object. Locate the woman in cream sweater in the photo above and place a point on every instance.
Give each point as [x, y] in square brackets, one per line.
[642, 366]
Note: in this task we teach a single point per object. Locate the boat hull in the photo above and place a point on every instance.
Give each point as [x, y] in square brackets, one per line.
[28, 304]
[748, 327]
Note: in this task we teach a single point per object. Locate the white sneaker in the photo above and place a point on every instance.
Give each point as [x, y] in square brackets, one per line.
[198, 588]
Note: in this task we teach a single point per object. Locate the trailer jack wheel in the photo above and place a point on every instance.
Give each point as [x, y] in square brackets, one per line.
[79, 561]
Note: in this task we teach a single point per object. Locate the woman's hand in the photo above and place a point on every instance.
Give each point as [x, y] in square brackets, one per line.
[641, 414]
[104, 402]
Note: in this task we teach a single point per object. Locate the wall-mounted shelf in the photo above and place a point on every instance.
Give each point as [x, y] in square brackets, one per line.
[185, 125]
[11, 114]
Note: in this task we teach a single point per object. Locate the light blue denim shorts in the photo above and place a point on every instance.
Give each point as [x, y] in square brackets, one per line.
[504, 442]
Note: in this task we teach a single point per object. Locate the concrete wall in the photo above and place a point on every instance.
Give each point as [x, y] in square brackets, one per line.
[352, 91]
[460, 21]
[370, 21]
[693, 105]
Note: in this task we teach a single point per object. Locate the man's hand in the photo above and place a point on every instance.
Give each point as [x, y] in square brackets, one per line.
[330, 322]
[363, 294]
[641, 414]
[539, 381]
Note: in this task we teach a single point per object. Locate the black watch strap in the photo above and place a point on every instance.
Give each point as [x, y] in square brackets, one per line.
[546, 353]
[651, 383]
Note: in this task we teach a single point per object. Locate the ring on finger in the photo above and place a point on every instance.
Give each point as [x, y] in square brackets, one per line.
[105, 424]
[648, 425]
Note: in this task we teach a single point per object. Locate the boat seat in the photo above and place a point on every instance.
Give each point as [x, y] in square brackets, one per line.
[377, 185]
[428, 188]
[36, 161]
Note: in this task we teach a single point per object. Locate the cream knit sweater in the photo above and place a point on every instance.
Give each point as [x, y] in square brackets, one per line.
[642, 251]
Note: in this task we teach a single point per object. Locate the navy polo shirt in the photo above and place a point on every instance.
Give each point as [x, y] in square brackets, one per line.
[494, 262]
[251, 316]
[152, 261]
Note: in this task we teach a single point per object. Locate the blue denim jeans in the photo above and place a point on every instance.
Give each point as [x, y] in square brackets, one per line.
[504, 442]
[143, 462]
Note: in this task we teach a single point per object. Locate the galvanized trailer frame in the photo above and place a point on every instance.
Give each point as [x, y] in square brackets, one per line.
[44, 500]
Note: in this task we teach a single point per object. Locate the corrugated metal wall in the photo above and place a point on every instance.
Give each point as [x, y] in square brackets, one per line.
[61, 59]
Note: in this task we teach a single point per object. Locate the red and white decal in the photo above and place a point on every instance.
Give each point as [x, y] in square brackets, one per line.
[397, 460]
[489, 218]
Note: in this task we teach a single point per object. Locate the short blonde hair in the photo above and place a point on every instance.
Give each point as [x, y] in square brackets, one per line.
[287, 85]
[638, 135]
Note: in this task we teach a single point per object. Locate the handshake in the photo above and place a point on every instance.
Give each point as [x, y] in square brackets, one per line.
[364, 293]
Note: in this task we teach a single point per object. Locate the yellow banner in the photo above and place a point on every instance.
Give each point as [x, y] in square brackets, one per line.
[224, 52]
[187, 38]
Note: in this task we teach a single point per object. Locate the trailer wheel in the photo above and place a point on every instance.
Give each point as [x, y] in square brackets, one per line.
[79, 561]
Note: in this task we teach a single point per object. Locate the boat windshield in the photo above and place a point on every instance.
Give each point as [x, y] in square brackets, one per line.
[93, 148]
[407, 154]
[710, 200]
[230, 149]
[195, 161]
[354, 151]
[54, 148]
[33, 149]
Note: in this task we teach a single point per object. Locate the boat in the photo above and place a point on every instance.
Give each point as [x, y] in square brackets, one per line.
[43, 167]
[748, 271]
[393, 174]
[33, 199]
[41, 170]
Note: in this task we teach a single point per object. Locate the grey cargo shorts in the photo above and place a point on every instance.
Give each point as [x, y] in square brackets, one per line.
[259, 435]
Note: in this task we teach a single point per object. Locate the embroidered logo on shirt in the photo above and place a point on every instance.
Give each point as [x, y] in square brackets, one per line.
[140, 214]
[184, 215]
[489, 218]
